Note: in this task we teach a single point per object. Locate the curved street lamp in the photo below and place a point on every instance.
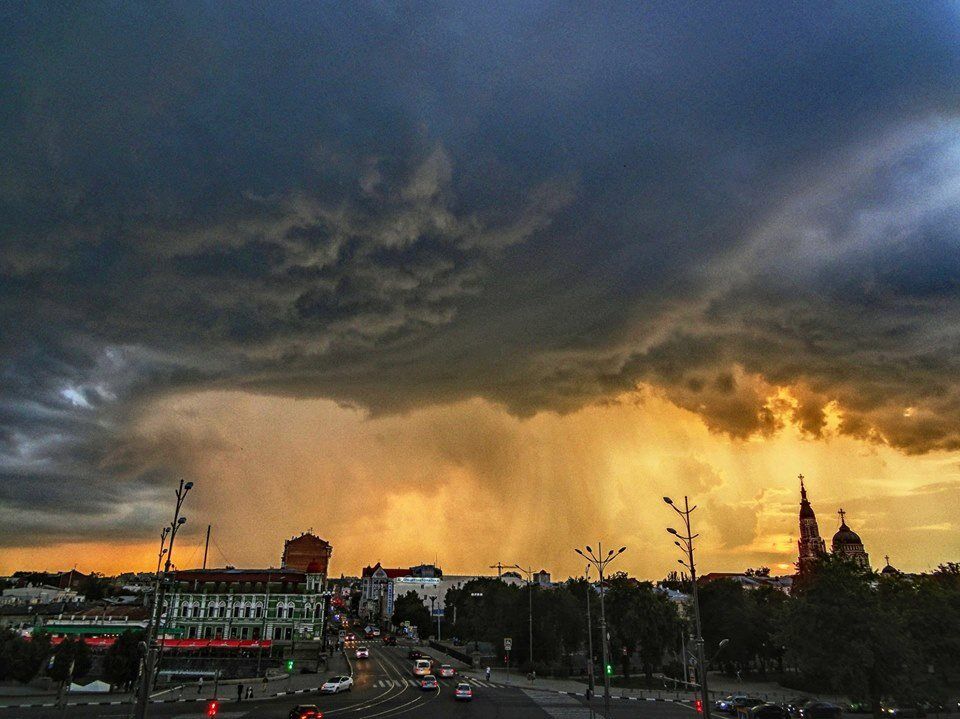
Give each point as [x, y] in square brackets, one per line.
[600, 561]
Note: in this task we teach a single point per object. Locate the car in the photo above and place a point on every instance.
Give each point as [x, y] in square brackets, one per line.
[350, 637]
[376, 632]
[335, 685]
[793, 706]
[743, 704]
[725, 704]
[463, 692]
[429, 681]
[422, 667]
[820, 710]
[362, 653]
[768, 711]
[390, 641]
[305, 711]
[415, 654]
[446, 671]
[903, 711]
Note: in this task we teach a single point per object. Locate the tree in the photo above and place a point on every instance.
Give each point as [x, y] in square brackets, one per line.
[25, 656]
[843, 638]
[122, 662]
[409, 608]
[69, 652]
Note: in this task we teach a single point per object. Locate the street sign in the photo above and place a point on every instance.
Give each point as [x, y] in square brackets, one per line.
[507, 643]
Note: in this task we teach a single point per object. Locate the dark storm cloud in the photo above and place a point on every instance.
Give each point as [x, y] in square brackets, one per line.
[539, 203]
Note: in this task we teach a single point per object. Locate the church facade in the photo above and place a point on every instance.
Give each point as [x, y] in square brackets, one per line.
[811, 546]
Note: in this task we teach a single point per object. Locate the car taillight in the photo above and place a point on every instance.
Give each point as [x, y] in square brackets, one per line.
[212, 708]
[699, 705]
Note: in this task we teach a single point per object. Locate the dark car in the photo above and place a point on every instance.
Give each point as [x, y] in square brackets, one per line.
[390, 641]
[305, 711]
[903, 711]
[743, 704]
[414, 654]
[769, 711]
[820, 710]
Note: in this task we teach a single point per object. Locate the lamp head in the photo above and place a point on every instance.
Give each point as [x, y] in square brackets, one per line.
[579, 552]
[588, 549]
[621, 550]
[723, 643]
[672, 531]
[668, 500]
[182, 520]
[188, 486]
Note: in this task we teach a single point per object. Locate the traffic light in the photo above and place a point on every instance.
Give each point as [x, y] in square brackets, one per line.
[289, 665]
[609, 670]
[699, 705]
[212, 708]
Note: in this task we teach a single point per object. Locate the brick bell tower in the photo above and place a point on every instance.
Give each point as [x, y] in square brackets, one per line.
[811, 546]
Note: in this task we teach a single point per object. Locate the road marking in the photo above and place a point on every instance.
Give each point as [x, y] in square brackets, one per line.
[559, 706]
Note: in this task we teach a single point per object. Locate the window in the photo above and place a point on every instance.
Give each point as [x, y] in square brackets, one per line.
[318, 611]
[258, 613]
[196, 610]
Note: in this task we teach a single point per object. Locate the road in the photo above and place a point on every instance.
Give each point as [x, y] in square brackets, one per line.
[384, 688]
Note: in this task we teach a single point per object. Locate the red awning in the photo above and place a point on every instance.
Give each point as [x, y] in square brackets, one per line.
[183, 643]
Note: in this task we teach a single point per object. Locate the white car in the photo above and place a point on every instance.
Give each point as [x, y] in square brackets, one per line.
[362, 653]
[335, 685]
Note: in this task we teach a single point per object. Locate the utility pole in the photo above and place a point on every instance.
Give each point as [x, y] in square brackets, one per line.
[600, 561]
[685, 543]
[206, 547]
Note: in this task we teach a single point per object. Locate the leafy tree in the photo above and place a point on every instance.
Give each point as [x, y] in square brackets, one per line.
[843, 638]
[409, 608]
[26, 656]
[70, 651]
[122, 661]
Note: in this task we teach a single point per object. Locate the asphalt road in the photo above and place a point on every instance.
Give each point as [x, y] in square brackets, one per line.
[382, 690]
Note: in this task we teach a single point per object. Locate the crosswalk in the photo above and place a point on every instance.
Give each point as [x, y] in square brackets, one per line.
[559, 705]
[390, 683]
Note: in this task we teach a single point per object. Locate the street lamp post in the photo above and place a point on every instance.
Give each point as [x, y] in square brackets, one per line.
[529, 573]
[148, 651]
[600, 561]
[685, 543]
[592, 683]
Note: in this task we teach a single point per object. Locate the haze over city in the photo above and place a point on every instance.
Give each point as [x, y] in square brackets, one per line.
[471, 283]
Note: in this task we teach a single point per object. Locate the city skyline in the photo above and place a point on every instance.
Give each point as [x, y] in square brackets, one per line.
[478, 283]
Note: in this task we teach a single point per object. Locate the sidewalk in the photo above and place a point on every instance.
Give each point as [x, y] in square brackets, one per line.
[194, 692]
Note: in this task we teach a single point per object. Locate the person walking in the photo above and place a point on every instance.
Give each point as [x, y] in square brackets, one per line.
[239, 693]
[200, 685]
[488, 673]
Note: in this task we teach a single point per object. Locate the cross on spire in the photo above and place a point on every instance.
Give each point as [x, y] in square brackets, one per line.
[887, 558]
[803, 490]
[843, 516]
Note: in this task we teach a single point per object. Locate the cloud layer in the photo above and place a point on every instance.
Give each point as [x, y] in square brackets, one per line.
[750, 212]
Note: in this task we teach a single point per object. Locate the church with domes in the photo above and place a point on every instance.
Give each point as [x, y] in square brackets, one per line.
[811, 546]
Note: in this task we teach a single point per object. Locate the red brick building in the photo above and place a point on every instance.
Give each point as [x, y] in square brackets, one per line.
[300, 552]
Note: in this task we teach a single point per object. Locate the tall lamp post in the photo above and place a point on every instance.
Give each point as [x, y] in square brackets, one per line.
[150, 652]
[592, 683]
[600, 561]
[685, 543]
[529, 573]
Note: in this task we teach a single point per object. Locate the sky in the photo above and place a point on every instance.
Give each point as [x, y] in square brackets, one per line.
[478, 282]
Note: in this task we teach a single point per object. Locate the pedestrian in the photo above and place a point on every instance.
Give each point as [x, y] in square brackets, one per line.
[200, 685]
[249, 692]
[488, 673]
[239, 693]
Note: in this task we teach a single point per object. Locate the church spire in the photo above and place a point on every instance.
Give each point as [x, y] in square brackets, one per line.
[811, 546]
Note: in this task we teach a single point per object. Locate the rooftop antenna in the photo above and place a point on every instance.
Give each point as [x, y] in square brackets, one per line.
[499, 567]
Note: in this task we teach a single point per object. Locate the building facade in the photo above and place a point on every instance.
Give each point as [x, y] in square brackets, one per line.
[300, 552]
[810, 545]
[277, 604]
[846, 543]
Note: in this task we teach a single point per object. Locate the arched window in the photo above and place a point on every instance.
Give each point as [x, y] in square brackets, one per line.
[318, 611]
